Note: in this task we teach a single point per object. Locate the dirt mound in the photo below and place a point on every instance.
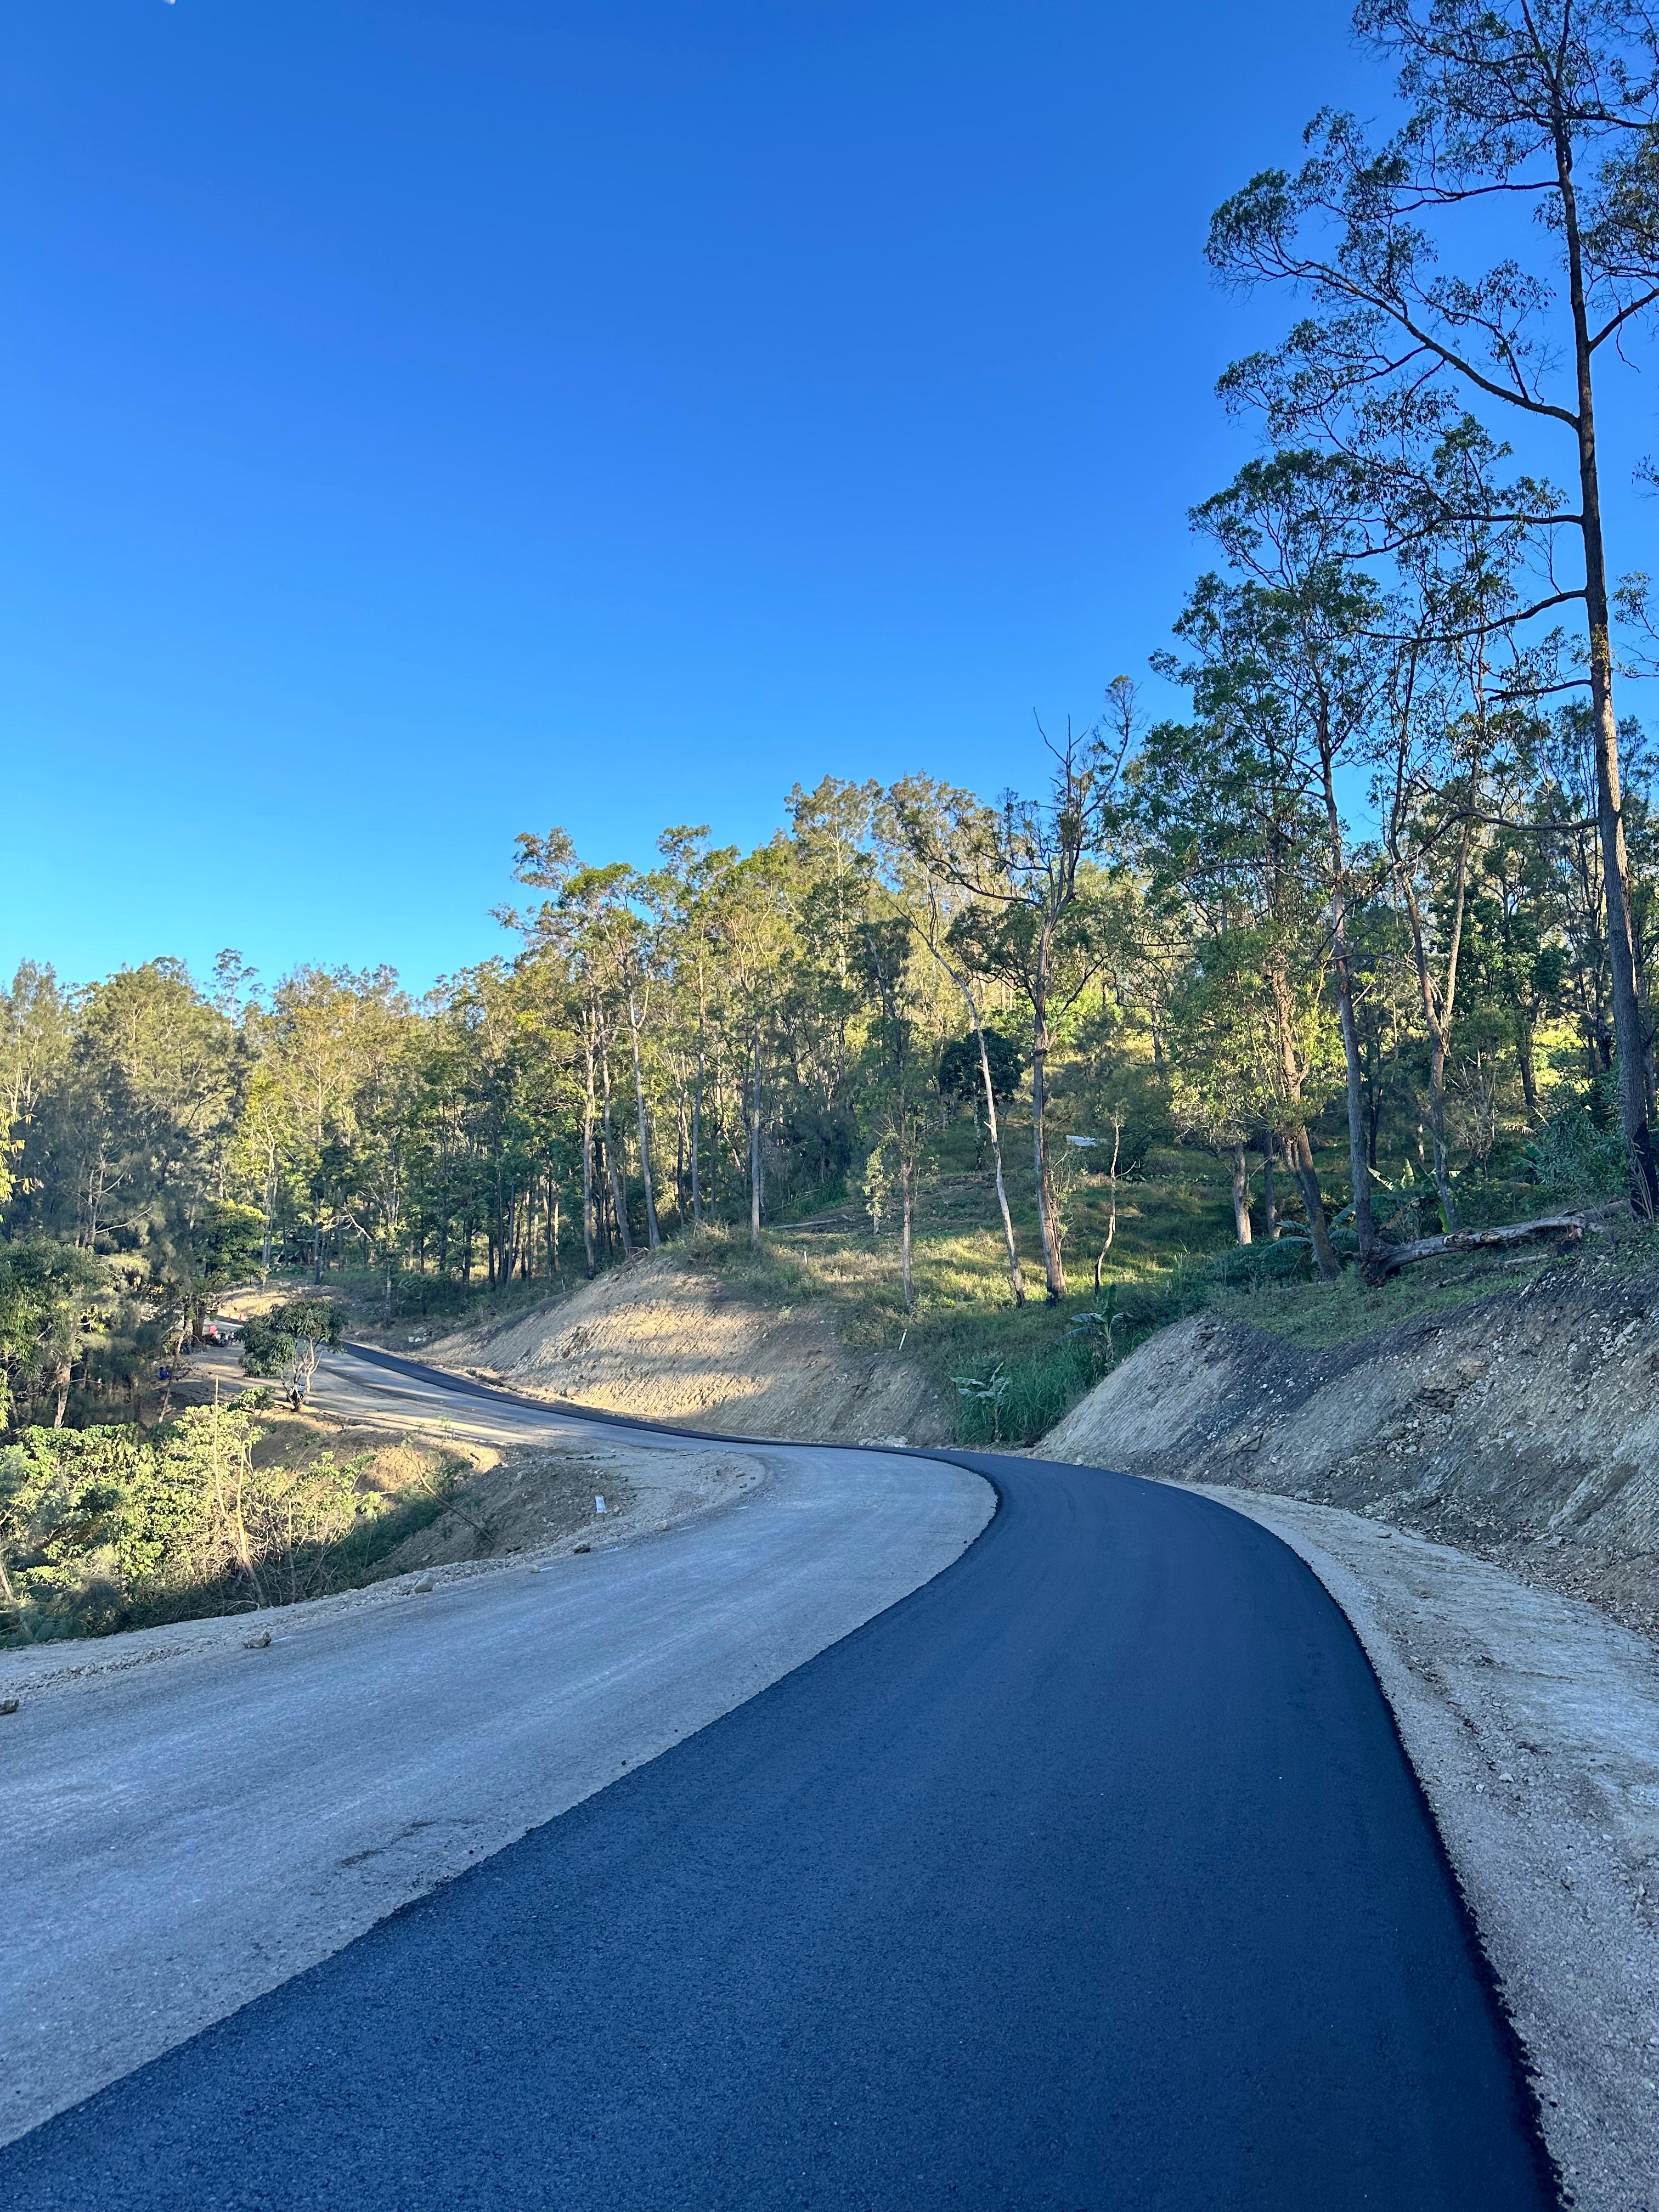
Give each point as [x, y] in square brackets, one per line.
[662, 1342]
[1524, 1428]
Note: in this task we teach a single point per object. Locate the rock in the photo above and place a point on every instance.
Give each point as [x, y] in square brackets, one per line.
[256, 1642]
[7, 1704]
[424, 1589]
[581, 1547]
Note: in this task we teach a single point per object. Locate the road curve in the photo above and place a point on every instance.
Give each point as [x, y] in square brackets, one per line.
[200, 1820]
[1088, 1876]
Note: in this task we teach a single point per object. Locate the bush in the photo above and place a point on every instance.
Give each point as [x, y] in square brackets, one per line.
[105, 1528]
[1019, 1401]
[1580, 1148]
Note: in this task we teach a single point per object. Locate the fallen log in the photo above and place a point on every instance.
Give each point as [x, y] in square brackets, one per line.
[1388, 1258]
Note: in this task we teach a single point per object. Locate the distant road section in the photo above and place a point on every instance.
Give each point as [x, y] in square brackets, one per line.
[1088, 1877]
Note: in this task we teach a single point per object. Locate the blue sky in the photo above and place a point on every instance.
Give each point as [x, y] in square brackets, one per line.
[426, 423]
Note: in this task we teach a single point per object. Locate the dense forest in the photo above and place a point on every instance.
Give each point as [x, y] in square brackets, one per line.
[1369, 919]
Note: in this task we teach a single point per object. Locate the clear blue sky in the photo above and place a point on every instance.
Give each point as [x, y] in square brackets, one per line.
[428, 423]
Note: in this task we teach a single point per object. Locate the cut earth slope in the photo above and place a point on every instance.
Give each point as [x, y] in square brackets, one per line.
[661, 1342]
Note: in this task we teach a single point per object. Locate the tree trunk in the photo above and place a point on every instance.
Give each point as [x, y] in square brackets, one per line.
[618, 1206]
[696, 1142]
[651, 1236]
[1016, 1279]
[1358, 1166]
[1629, 1027]
[1438, 1130]
[587, 1160]
[1391, 1258]
[1298, 1152]
[1241, 1196]
[754, 1144]
[1111, 1225]
[959, 977]
[907, 1200]
[1307, 1178]
[1053, 1268]
[1269, 1195]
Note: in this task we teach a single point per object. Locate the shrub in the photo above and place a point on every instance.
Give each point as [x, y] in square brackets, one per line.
[1580, 1148]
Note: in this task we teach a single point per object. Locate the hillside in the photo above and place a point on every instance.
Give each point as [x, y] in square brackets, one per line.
[662, 1342]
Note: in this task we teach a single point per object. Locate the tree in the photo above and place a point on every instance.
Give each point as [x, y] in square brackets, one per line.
[289, 1341]
[51, 1297]
[1033, 911]
[1236, 830]
[34, 1040]
[1545, 109]
[935, 834]
[1301, 647]
[893, 1103]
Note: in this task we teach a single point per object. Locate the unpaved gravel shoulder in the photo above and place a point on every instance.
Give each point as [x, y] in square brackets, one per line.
[647, 1491]
[1532, 1723]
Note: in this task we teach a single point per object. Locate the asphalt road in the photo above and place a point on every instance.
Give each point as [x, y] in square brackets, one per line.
[1089, 1876]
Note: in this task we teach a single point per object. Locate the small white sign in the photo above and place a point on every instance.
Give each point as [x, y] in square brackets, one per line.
[599, 1505]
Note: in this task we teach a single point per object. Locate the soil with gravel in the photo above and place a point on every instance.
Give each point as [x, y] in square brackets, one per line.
[664, 1343]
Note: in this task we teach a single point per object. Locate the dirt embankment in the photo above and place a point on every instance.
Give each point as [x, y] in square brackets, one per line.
[663, 1343]
[1524, 1428]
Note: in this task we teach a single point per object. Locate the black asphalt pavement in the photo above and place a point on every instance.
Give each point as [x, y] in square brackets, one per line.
[1089, 1877]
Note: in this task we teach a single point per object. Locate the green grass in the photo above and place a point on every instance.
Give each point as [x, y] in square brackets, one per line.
[965, 1321]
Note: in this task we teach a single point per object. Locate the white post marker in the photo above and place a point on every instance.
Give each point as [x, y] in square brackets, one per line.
[599, 1505]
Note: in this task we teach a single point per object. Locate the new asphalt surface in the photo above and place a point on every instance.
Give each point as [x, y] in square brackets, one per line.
[1089, 1876]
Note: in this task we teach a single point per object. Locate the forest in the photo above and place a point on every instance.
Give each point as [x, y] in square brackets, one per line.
[1345, 917]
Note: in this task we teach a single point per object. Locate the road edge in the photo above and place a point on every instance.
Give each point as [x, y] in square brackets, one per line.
[1577, 1969]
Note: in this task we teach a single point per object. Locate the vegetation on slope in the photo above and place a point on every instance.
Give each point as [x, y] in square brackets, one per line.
[219, 1508]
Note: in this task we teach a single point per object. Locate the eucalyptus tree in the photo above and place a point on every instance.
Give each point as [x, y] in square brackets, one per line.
[833, 849]
[590, 928]
[931, 835]
[754, 940]
[1534, 124]
[1464, 685]
[1297, 642]
[1033, 913]
[1233, 838]
[893, 1100]
[685, 893]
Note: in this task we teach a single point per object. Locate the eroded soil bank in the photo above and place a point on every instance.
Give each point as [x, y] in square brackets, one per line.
[1523, 1428]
